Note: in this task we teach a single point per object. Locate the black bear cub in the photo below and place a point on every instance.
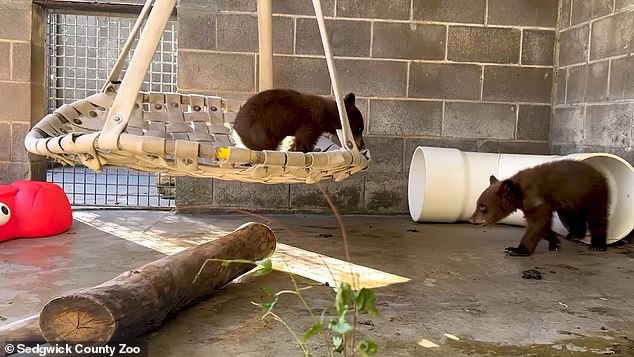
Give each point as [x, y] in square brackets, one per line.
[271, 115]
[573, 189]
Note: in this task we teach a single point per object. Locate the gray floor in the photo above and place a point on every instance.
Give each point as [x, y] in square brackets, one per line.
[442, 289]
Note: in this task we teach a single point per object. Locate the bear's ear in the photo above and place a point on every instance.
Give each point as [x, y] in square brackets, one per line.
[349, 100]
[492, 180]
[507, 188]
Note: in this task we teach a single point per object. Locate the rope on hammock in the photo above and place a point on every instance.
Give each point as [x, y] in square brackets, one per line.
[179, 134]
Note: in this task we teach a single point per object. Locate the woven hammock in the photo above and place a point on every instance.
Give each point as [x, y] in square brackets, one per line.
[179, 134]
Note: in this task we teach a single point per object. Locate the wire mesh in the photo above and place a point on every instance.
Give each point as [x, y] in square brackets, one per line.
[82, 48]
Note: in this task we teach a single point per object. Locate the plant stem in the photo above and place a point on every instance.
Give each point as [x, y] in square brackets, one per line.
[343, 231]
[345, 246]
[220, 260]
[297, 340]
[312, 315]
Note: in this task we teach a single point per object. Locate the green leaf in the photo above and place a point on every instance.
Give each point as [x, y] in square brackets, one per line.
[312, 331]
[267, 306]
[366, 301]
[367, 348]
[266, 266]
[337, 342]
[342, 299]
[340, 327]
[268, 291]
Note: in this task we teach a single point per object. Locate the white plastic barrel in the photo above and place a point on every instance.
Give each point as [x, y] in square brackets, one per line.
[444, 184]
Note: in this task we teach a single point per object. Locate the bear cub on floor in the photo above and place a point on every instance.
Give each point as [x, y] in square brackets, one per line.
[573, 189]
[270, 116]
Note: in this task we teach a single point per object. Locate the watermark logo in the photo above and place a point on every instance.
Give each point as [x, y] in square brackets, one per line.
[79, 349]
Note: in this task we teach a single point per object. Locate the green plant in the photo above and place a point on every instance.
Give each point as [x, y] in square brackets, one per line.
[346, 301]
[339, 332]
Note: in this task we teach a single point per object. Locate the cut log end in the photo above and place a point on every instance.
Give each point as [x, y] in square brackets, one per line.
[77, 318]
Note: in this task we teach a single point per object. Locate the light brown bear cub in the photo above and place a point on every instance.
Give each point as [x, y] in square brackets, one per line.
[573, 189]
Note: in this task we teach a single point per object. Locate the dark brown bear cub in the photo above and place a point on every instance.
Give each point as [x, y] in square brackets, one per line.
[573, 189]
[269, 116]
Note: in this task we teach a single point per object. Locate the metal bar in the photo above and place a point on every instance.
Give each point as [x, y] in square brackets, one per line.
[265, 37]
[116, 70]
[119, 113]
[347, 139]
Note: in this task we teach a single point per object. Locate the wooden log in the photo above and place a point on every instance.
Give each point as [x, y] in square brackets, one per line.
[25, 330]
[138, 301]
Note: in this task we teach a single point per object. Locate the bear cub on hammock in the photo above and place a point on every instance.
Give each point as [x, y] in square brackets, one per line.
[573, 189]
[270, 116]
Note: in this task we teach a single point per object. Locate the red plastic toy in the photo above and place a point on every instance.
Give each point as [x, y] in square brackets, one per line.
[31, 209]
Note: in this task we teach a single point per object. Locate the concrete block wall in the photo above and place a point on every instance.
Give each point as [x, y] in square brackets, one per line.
[594, 102]
[471, 74]
[22, 90]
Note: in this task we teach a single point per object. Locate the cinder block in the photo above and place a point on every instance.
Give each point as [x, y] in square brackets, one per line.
[5, 141]
[538, 47]
[450, 81]
[622, 78]
[564, 20]
[21, 62]
[588, 83]
[513, 147]
[374, 9]
[462, 11]
[15, 20]
[196, 29]
[386, 193]
[561, 78]
[194, 191]
[522, 84]
[470, 145]
[405, 117]
[585, 10]
[479, 120]
[346, 195]
[566, 149]
[372, 78]
[568, 125]
[239, 32]
[347, 38]
[608, 125]
[5, 60]
[216, 71]
[620, 4]
[541, 13]
[213, 5]
[467, 44]
[624, 152]
[612, 35]
[15, 101]
[302, 7]
[387, 153]
[18, 133]
[14, 171]
[533, 122]
[573, 45]
[408, 41]
[248, 195]
[238, 5]
[308, 75]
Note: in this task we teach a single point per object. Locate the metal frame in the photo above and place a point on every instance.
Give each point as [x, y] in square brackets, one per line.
[115, 187]
[157, 18]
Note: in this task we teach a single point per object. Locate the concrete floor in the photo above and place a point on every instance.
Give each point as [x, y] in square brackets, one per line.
[442, 289]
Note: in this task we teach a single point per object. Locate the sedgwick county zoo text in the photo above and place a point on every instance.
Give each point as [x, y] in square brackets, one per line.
[111, 349]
